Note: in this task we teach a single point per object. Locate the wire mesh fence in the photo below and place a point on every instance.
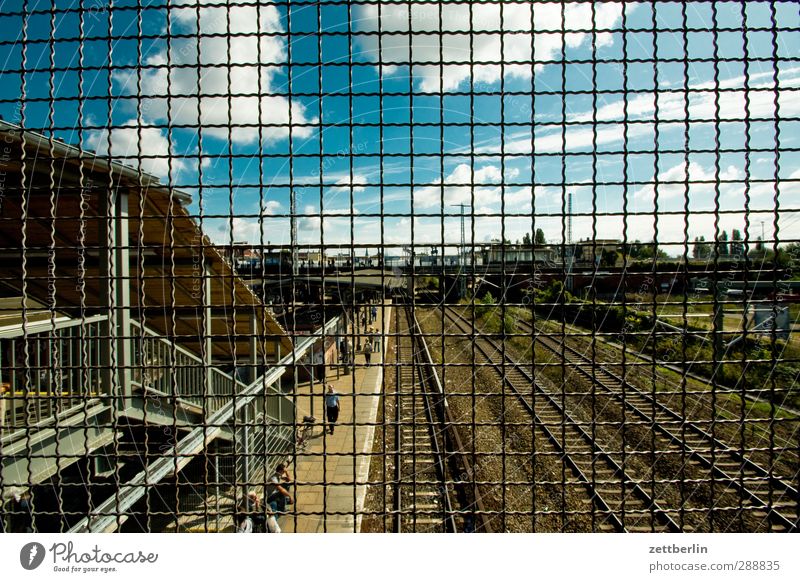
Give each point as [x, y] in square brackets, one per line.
[399, 266]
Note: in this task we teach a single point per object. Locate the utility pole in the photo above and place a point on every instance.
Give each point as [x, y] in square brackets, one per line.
[462, 289]
[408, 256]
[569, 218]
[570, 248]
[293, 233]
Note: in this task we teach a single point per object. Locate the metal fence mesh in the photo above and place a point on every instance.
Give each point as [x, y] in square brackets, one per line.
[542, 258]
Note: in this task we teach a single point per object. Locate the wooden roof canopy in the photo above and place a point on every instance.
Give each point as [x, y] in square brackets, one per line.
[54, 240]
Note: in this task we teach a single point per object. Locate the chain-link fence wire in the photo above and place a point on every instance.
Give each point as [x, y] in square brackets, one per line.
[210, 209]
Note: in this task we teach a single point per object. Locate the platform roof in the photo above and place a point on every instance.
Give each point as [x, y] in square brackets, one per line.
[53, 241]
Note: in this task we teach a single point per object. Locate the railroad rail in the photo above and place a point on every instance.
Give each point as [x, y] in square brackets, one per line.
[430, 491]
[768, 497]
[620, 502]
[728, 465]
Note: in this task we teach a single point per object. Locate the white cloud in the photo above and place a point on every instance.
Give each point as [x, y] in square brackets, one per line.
[244, 66]
[758, 102]
[548, 138]
[270, 207]
[128, 144]
[344, 183]
[500, 32]
[671, 227]
[247, 229]
[460, 187]
[335, 226]
[252, 229]
[673, 182]
[702, 101]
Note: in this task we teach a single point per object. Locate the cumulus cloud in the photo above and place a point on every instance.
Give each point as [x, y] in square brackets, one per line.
[219, 81]
[700, 180]
[334, 225]
[252, 229]
[461, 187]
[143, 147]
[501, 32]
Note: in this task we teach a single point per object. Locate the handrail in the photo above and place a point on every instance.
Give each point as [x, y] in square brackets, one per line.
[180, 350]
[45, 325]
[104, 516]
[189, 382]
[53, 379]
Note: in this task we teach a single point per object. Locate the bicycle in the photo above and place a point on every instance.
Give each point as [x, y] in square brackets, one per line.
[304, 434]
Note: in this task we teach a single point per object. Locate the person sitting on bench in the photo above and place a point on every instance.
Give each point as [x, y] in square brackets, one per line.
[277, 494]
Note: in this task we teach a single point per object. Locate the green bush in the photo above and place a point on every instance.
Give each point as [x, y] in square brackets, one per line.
[600, 316]
[508, 324]
[485, 305]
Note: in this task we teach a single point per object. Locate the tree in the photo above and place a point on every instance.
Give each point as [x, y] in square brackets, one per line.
[639, 251]
[737, 246]
[793, 251]
[697, 248]
[539, 239]
[647, 251]
[608, 258]
[526, 239]
[722, 244]
[788, 255]
[633, 249]
[702, 249]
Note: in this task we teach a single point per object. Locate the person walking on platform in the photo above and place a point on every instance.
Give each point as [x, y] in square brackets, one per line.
[368, 351]
[374, 313]
[331, 408]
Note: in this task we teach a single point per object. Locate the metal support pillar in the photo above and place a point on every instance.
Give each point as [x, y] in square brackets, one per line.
[117, 352]
[216, 488]
[122, 292]
[246, 448]
[207, 332]
[253, 345]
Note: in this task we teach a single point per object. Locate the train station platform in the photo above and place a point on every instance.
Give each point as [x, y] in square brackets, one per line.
[328, 497]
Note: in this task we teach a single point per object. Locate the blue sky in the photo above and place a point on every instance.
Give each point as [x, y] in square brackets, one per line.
[538, 129]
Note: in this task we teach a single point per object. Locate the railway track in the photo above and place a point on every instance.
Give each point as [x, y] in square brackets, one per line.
[620, 502]
[767, 497]
[428, 457]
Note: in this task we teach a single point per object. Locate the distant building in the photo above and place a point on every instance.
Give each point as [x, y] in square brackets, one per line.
[590, 251]
[495, 253]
